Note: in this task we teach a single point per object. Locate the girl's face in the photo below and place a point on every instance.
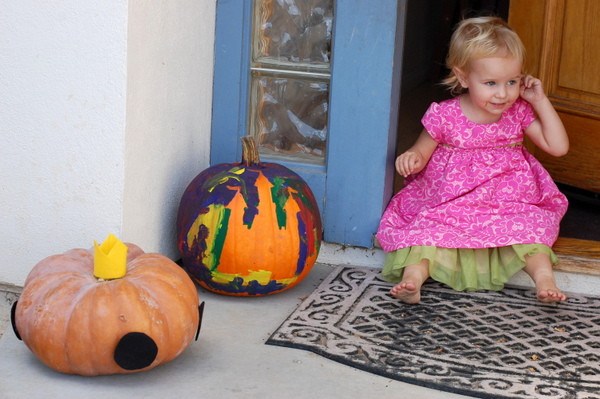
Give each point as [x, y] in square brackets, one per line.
[493, 85]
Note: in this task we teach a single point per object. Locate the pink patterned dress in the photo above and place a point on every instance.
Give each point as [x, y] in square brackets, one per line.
[480, 189]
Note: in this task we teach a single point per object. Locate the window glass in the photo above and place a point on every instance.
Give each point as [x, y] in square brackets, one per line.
[289, 80]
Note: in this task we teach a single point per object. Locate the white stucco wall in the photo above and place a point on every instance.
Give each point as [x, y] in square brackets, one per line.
[104, 115]
[169, 97]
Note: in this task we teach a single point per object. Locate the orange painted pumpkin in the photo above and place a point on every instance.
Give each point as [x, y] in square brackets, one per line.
[78, 324]
[250, 228]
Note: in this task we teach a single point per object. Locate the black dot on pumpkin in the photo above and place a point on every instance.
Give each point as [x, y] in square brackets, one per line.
[200, 313]
[135, 351]
[13, 320]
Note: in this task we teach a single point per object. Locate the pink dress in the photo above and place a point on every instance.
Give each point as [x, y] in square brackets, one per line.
[480, 189]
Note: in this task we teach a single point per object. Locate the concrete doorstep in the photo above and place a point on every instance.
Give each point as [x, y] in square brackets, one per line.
[230, 358]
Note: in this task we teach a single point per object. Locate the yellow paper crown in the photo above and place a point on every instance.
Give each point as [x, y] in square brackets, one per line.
[110, 258]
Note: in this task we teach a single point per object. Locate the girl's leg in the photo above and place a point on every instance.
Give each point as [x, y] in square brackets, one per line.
[539, 268]
[409, 289]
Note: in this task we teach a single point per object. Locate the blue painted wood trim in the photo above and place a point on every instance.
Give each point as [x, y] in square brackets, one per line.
[365, 91]
[230, 85]
[230, 93]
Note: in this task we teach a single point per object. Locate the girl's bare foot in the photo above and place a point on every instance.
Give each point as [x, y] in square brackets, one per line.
[409, 289]
[539, 269]
[547, 291]
[551, 296]
[407, 292]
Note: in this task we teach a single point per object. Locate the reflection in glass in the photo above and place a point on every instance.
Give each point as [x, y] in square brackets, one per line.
[294, 31]
[290, 68]
[290, 119]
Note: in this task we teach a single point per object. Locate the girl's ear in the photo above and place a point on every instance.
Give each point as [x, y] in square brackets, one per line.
[461, 76]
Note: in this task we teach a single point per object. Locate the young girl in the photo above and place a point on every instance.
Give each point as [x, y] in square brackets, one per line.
[477, 207]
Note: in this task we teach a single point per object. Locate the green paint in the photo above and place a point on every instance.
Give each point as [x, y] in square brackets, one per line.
[248, 221]
[279, 196]
[220, 234]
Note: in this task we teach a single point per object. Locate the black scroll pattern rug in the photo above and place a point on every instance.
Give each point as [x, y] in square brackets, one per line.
[483, 344]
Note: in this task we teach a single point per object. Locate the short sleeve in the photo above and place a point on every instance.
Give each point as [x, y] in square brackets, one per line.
[525, 113]
[433, 122]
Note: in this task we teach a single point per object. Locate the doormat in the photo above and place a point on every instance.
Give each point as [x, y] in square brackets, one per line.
[483, 344]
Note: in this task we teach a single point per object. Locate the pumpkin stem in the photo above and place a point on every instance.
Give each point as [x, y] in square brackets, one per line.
[250, 155]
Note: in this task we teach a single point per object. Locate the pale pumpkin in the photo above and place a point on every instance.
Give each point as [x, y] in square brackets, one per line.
[78, 324]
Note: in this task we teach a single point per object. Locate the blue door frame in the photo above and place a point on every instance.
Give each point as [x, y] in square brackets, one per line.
[356, 183]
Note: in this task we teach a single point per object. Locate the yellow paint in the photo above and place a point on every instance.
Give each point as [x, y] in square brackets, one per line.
[235, 171]
[193, 231]
[263, 277]
[212, 220]
[110, 258]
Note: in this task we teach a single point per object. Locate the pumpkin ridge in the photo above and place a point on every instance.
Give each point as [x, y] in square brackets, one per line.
[41, 285]
[42, 269]
[73, 333]
[158, 328]
[132, 314]
[170, 319]
[56, 298]
[173, 283]
[170, 286]
[146, 264]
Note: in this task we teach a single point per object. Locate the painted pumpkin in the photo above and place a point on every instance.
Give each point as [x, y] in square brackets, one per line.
[76, 323]
[250, 228]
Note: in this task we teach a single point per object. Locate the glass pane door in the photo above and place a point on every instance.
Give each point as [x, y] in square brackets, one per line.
[289, 83]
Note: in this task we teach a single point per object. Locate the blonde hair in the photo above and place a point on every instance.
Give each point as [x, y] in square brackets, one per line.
[480, 37]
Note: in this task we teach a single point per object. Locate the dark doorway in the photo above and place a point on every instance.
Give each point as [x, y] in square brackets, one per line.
[429, 25]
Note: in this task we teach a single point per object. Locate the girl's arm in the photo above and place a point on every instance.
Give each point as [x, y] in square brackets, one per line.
[416, 157]
[547, 131]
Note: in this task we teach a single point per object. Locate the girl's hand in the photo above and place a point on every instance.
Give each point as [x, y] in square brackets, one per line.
[417, 156]
[408, 163]
[547, 130]
[532, 90]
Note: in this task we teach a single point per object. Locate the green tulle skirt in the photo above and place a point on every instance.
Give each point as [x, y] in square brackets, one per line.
[465, 269]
